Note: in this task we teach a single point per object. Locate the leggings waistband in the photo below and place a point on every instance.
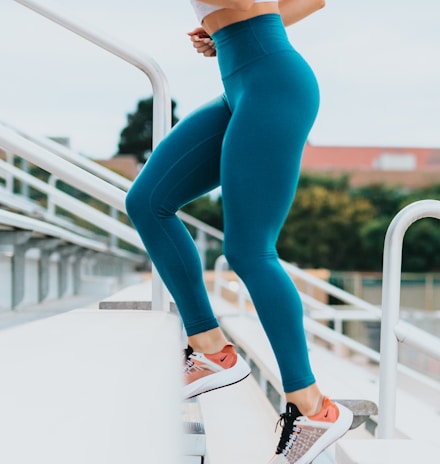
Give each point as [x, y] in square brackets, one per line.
[243, 42]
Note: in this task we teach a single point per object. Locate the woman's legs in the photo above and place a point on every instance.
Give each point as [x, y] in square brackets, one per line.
[185, 165]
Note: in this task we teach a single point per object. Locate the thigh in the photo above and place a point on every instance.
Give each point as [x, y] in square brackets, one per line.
[186, 164]
[259, 172]
[272, 116]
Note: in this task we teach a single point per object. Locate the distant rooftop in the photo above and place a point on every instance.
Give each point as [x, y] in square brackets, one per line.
[407, 166]
[377, 158]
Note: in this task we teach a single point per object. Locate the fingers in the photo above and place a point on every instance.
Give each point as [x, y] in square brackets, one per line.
[200, 32]
[204, 45]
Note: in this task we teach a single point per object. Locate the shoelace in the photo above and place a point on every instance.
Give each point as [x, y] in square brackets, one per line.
[187, 352]
[289, 432]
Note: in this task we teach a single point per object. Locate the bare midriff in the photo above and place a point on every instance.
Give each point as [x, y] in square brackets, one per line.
[221, 18]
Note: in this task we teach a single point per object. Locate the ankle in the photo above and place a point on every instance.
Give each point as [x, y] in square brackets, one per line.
[311, 407]
[209, 342]
[308, 400]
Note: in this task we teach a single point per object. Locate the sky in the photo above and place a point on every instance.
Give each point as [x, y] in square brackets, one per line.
[377, 63]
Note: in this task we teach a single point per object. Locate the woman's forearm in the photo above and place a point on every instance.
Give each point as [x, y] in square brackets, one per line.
[293, 11]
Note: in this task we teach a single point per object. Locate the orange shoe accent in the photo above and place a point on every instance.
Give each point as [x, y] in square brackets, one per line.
[225, 358]
[328, 413]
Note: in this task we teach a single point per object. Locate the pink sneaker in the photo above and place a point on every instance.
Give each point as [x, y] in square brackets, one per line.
[206, 372]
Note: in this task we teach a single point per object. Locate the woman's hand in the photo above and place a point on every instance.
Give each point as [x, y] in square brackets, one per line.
[202, 42]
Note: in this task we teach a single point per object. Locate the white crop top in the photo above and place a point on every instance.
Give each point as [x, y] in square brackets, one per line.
[203, 9]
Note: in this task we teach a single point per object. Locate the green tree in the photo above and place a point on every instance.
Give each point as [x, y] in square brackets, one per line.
[421, 246]
[322, 229]
[137, 136]
[386, 200]
[338, 183]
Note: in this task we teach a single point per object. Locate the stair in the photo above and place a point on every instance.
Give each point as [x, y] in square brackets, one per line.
[386, 451]
[84, 387]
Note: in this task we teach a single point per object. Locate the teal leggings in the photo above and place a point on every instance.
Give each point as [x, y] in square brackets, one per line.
[249, 142]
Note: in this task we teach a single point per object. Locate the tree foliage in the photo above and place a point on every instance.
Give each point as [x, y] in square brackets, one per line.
[137, 136]
[323, 229]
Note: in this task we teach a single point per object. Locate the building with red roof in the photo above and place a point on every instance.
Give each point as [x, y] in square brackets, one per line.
[408, 167]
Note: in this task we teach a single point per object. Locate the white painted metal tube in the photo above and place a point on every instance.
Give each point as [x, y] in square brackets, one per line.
[61, 168]
[331, 289]
[420, 339]
[391, 308]
[75, 206]
[161, 96]
[77, 159]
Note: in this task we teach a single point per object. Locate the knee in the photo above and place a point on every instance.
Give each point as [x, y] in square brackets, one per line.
[247, 258]
[144, 204]
[139, 204]
[238, 259]
[132, 204]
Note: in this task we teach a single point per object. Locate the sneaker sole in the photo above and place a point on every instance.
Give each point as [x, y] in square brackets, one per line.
[221, 379]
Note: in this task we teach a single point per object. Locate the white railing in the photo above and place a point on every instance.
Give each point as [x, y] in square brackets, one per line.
[161, 114]
[74, 158]
[74, 205]
[393, 330]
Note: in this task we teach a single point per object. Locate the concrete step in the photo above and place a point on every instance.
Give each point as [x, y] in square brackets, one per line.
[137, 296]
[386, 451]
[86, 387]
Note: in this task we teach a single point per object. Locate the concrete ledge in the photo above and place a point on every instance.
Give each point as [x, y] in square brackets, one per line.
[84, 387]
[139, 305]
[386, 451]
[136, 297]
[132, 297]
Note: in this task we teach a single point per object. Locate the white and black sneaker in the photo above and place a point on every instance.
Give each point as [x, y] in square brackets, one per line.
[304, 438]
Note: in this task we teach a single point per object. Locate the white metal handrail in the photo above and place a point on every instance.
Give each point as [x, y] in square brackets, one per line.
[392, 330]
[64, 170]
[26, 223]
[75, 158]
[76, 207]
[161, 99]
[332, 289]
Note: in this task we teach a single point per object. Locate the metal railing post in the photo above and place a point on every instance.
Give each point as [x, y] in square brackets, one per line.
[9, 178]
[51, 206]
[161, 96]
[392, 263]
